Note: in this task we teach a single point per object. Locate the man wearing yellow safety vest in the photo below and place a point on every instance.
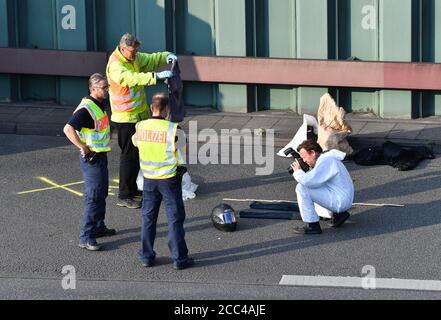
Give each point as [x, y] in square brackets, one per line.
[128, 71]
[160, 153]
[93, 138]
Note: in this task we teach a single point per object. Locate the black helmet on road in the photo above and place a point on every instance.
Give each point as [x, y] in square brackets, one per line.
[224, 218]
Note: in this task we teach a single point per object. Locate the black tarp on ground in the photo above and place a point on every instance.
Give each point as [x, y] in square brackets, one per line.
[395, 155]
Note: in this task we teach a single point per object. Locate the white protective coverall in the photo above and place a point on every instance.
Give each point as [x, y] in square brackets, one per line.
[326, 189]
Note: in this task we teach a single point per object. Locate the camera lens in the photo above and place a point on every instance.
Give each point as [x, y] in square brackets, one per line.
[289, 151]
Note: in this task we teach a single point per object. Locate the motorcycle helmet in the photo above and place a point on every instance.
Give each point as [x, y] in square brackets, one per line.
[224, 218]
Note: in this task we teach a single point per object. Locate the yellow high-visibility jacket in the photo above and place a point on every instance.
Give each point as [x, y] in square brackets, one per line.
[159, 155]
[126, 84]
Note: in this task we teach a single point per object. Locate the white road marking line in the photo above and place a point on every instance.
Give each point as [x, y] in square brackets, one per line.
[360, 283]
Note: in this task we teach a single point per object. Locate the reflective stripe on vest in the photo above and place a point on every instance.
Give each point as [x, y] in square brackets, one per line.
[126, 102]
[97, 139]
[157, 151]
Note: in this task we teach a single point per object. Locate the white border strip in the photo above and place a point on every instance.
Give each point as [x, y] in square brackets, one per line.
[361, 283]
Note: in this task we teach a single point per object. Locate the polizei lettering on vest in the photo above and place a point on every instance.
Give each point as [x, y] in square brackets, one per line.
[184, 310]
[153, 136]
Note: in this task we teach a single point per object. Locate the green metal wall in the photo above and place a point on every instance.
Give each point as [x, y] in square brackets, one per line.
[370, 30]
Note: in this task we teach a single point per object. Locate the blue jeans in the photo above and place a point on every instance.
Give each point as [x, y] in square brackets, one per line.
[169, 190]
[96, 182]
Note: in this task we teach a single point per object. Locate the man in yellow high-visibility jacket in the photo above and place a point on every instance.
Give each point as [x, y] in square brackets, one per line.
[88, 129]
[128, 72]
[160, 155]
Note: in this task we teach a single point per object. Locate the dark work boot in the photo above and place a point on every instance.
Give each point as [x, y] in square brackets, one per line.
[339, 219]
[309, 228]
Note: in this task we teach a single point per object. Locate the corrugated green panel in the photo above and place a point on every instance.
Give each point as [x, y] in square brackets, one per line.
[437, 48]
[312, 29]
[71, 25]
[312, 43]
[195, 35]
[396, 104]
[359, 100]
[5, 81]
[396, 30]
[195, 27]
[431, 51]
[396, 45]
[276, 38]
[114, 18]
[150, 24]
[41, 88]
[308, 100]
[231, 41]
[199, 94]
[151, 30]
[37, 29]
[5, 88]
[230, 28]
[232, 98]
[358, 37]
[71, 35]
[4, 30]
[277, 98]
[72, 90]
[358, 32]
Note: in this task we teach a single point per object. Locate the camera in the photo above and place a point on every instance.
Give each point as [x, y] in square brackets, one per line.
[303, 165]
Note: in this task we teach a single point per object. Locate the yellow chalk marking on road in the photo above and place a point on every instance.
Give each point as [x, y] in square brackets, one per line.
[116, 180]
[51, 188]
[60, 186]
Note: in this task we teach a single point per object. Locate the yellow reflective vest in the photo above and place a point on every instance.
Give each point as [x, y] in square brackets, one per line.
[97, 139]
[126, 84]
[158, 154]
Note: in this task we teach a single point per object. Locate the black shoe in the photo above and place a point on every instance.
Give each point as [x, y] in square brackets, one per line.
[309, 228]
[105, 232]
[129, 203]
[138, 196]
[339, 219]
[148, 264]
[187, 264]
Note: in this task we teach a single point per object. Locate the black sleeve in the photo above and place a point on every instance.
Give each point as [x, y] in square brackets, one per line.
[81, 119]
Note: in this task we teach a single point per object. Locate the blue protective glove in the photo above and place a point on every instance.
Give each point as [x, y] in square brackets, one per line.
[164, 74]
[171, 58]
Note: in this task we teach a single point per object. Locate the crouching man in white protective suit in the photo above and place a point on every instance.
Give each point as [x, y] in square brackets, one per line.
[325, 191]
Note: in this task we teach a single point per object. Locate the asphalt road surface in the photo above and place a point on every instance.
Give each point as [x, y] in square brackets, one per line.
[39, 234]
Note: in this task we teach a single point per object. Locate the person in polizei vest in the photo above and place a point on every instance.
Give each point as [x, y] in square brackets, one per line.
[89, 130]
[160, 155]
[325, 191]
[128, 72]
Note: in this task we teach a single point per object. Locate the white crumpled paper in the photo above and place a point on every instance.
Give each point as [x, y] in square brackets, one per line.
[301, 134]
[188, 188]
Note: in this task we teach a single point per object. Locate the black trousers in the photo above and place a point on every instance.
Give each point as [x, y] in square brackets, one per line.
[129, 161]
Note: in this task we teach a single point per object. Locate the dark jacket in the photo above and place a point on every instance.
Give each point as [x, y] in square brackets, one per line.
[176, 101]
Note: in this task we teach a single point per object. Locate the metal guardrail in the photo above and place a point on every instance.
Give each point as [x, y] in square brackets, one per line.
[245, 70]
